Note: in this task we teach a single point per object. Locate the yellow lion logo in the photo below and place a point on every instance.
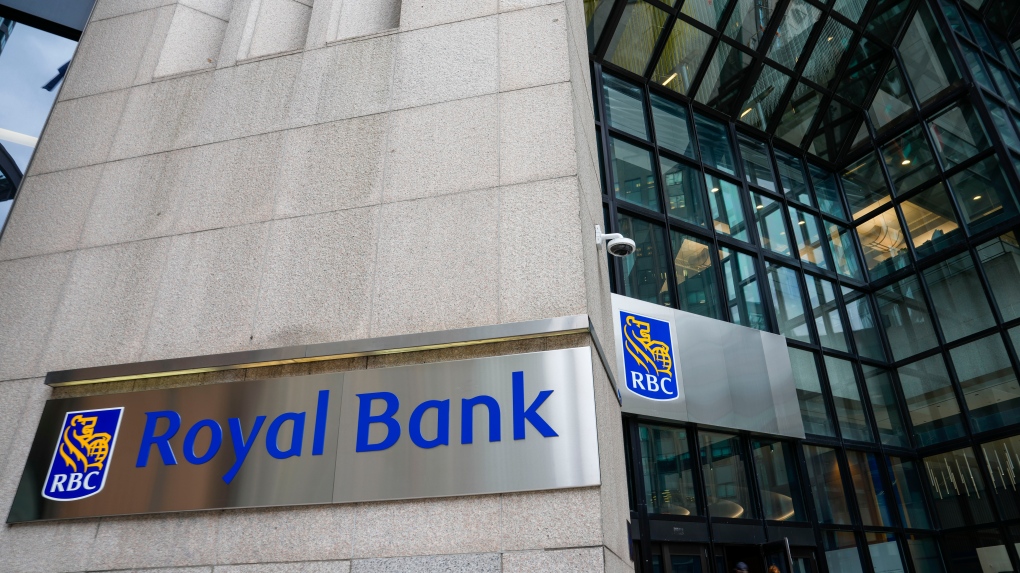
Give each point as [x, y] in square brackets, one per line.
[81, 443]
[652, 355]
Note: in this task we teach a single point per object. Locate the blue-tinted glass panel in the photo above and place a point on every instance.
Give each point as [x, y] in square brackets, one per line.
[885, 407]
[1000, 258]
[672, 126]
[768, 214]
[827, 192]
[813, 411]
[667, 464]
[684, 191]
[727, 212]
[863, 324]
[625, 106]
[809, 238]
[696, 284]
[644, 273]
[884, 244]
[983, 194]
[757, 167]
[714, 141]
[958, 298]
[906, 490]
[988, 382]
[742, 294]
[931, 402]
[793, 178]
[825, 309]
[634, 174]
[904, 314]
[846, 395]
[844, 251]
[788, 302]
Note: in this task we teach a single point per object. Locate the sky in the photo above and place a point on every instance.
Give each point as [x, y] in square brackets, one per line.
[29, 60]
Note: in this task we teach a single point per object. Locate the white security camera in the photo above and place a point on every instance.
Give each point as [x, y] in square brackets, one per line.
[616, 244]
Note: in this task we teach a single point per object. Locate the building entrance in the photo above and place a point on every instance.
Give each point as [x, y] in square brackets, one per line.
[766, 558]
[772, 557]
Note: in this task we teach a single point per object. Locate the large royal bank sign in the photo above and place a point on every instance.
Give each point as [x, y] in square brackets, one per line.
[493, 425]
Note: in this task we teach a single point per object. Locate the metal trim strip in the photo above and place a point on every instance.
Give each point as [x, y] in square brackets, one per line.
[560, 326]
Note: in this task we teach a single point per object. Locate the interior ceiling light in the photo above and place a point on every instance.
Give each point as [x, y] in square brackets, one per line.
[905, 162]
[977, 197]
[715, 189]
[802, 223]
[670, 78]
[746, 111]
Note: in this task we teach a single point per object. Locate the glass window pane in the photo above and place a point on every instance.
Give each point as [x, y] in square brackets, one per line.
[760, 106]
[696, 283]
[853, 421]
[908, 326]
[863, 325]
[793, 178]
[749, 20]
[827, 192]
[708, 12]
[681, 56]
[644, 273]
[909, 160]
[684, 191]
[989, 383]
[757, 167]
[931, 221]
[868, 488]
[885, 552]
[983, 194]
[926, 57]
[958, 134]
[789, 302]
[743, 297]
[977, 67]
[826, 485]
[1003, 459]
[776, 465]
[793, 33]
[635, 176]
[852, 9]
[635, 36]
[625, 106]
[843, 251]
[667, 464]
[956, 486]
[884, 244]
[884, 405]
[892, 100]
[768, 214]
[727, 213]
[924, 553]
[957, 297]
[1003, 124]
[1001, 260]
[906, 482]
[865, 186]
[841, 552]
[672, 126]
[809, 392]
[934, 411]
[976, 552]
[596, 12]
[714, 141]
[885, 21]
[809, 239]
[828, 52]
[726, 486]
[799, 113]
[1001, 79]
[825, 309]
[723, 78]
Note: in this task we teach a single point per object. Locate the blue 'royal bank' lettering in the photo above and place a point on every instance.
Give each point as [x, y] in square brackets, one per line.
[648, 357]
[522, 415]
[83, 454]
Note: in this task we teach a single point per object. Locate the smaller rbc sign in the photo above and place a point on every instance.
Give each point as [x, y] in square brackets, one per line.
[84, 451]
[648, 357]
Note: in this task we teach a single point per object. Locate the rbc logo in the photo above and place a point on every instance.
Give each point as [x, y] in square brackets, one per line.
[648, 357]
[84, 451]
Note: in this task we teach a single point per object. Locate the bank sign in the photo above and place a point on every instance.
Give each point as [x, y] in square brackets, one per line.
[492, 425]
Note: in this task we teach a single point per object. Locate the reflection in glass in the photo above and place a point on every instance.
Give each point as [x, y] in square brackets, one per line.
[826, 484]
[852, 9]
[1003, 460]
[723, 78]
[596, 12]
[749, 20]
[696, 284]
[742, 295]
[760, 106]
[871, 496]
[956, 485]
[684, 191]
[865, 186]
[722, 467]
[799, 113]
[926, 57]
[776, 465]
[828, 52]
[958, 134]
[794, 30]
[1003, 124]
[644, 272]
[976, 552]
[681, 56]
[904, 314]
[827, 192]
[788, 301]
[672, 126]
[885, 407]
[884, 552]
[809, 240]
[863, 324]
[825, 309]
[793, 178]
[841, 552]
[757, 167]
[853, 421]
[625, 106]
[909, 160]
[768, 214]
[931, 221]
[635, 36]
[666, 461]
[634, 174]
[957, 297]
[843, 251]
[1000, 258]
[708, 12]
[884, 244]
[983, 194]
[809, 393]
[906, 483]
[714, 141]
[1002, 82]
[989, 383]
[727, 213]
[924, 553]
[885, 21]
[931, 403]
[892, 100]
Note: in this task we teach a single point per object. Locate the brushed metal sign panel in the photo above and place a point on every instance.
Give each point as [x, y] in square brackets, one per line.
[517, 452]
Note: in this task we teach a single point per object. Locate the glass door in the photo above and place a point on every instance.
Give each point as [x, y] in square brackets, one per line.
[777, 557]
